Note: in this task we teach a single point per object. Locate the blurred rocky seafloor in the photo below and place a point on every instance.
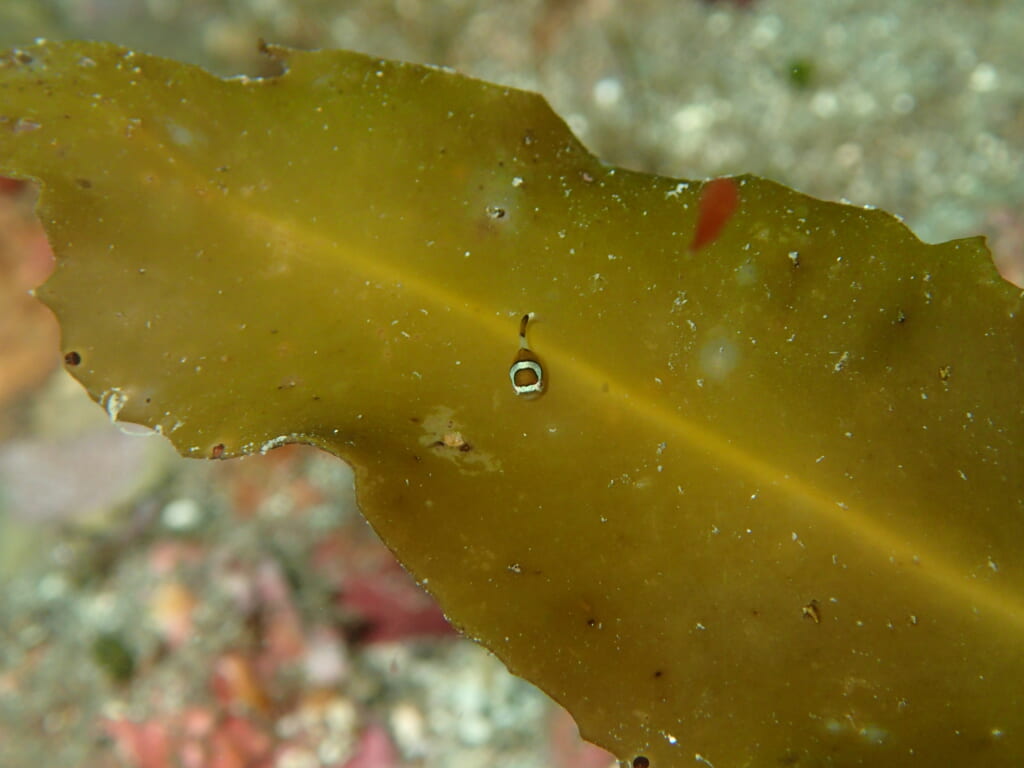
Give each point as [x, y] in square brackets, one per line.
[156, 611]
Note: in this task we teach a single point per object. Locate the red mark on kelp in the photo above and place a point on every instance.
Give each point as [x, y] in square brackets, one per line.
[718, 201]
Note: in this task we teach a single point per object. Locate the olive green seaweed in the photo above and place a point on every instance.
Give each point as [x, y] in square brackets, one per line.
[769, 510]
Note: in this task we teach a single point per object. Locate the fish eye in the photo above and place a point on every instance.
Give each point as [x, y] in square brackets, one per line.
[526, 371]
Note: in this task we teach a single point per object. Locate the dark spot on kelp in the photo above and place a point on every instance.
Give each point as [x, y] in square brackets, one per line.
[72, 358]
[83, 183]
[218, 451]
[641, 762]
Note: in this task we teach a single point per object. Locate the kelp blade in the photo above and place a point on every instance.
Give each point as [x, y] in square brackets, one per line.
[769, 511]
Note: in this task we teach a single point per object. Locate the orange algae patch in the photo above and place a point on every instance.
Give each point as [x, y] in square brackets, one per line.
[718, 202]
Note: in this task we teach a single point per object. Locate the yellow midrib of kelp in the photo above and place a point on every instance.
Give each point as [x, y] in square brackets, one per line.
[768, 509]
